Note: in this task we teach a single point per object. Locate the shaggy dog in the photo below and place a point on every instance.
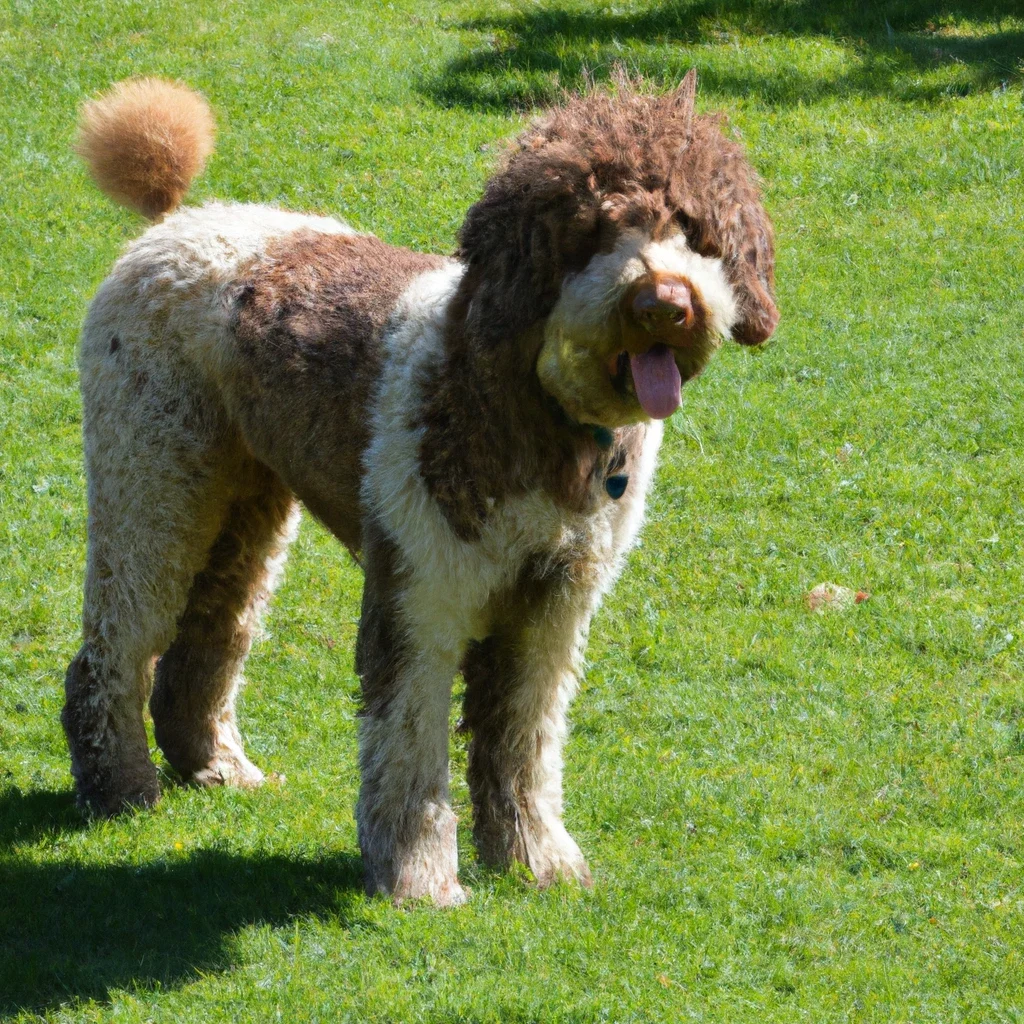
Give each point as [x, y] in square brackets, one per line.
[480, 431]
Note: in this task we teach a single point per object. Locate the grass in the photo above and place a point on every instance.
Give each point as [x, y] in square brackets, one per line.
[789, 816]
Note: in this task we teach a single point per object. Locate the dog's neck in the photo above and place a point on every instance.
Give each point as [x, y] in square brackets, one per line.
[491, 432]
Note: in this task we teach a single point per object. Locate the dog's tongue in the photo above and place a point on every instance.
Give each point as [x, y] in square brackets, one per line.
[657, 381]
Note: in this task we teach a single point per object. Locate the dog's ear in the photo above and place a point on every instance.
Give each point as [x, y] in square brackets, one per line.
[685, 95]
[536, 222]
[752, 271]
[715, 187]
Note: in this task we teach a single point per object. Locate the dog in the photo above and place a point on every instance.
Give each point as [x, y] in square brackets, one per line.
[480, 431]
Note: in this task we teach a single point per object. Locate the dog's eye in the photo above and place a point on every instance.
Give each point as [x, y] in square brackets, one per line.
[697, 237]
[686, 224]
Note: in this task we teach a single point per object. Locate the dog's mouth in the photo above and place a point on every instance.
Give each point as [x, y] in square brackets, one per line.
[664, 325]
[661, 336]
[652, 378]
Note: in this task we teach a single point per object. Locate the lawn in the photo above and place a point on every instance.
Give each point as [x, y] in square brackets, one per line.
[789, 816]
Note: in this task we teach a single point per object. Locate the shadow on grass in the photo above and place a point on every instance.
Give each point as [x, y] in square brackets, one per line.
[72, 931]
[26, 817]
[896, 45]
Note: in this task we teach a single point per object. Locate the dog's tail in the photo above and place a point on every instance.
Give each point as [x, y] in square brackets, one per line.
[144, 141]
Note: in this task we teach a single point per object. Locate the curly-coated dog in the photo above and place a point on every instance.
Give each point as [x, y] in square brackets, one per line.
[481, 431]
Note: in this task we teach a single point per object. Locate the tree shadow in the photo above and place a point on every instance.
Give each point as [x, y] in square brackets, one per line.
[529, 57]
[75, 931]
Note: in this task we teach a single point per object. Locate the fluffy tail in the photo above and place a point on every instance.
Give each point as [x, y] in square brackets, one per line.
[144, 141]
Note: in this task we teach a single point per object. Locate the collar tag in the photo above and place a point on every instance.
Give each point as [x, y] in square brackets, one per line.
[616, 485]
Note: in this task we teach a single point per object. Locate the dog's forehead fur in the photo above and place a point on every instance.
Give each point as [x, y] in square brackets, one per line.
[601, 164]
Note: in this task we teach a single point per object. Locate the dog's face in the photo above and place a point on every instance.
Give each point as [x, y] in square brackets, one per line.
[633, 233]
[634, 325]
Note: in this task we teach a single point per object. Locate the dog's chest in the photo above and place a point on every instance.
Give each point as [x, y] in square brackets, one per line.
[454, 585]
[532, 537]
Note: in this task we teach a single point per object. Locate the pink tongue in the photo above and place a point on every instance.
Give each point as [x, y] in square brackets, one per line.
[657, 381]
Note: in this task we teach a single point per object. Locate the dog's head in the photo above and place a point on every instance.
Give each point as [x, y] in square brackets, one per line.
[629, 234]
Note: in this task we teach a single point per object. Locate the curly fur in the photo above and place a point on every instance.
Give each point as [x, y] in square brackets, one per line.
[470, 428]
[598, 165]
[144, 141]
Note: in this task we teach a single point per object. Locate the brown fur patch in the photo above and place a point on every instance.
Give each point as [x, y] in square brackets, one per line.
[489, 670]
[504, 746]
[309, 321]
[144, 141]
[491, 433]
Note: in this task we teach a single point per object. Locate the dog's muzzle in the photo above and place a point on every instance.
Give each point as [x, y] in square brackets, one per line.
[666, 338]
[665, 308]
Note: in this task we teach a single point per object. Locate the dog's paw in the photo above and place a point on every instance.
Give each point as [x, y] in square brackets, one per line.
[228, 769]
[441, 893]
[423, 868]
[419, 880]
[106, 788]
[542, 846]
[98, 801]
[553, 856]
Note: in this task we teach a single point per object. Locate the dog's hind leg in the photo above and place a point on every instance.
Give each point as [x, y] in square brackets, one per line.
[519, 682]
[163, 463]
[154, 510]
[198, 677]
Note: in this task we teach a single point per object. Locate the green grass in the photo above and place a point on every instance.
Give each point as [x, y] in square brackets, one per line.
[790, 817]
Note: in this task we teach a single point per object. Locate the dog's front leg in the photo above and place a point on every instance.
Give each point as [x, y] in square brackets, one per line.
[519, 682]
[406, 825]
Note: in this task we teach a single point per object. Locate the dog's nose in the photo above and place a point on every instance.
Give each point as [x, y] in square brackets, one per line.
[666, 302]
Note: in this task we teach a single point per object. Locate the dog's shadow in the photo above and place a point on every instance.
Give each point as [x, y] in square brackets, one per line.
[26, 817]
[525, 58]
[72, 931]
